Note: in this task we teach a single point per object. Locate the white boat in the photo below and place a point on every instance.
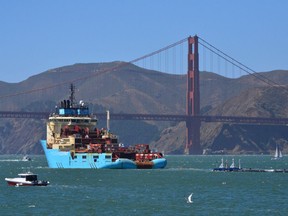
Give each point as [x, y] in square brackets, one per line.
[278, 154]
[26, 179]
[26, 158]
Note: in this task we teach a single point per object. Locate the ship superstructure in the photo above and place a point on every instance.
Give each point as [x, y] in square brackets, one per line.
[74, 141]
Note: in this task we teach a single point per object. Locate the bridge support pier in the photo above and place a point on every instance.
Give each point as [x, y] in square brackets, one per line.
[193, 99]
[193, 137]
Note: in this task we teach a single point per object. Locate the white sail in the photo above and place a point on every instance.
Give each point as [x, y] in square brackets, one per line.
[222, 163]
[276, 152]
[189, 200]
[239, 164]
[233, 164]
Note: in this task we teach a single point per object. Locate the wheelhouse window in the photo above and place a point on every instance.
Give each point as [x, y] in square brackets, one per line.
[31, 178]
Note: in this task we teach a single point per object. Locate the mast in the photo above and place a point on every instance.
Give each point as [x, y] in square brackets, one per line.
[72, 95]
[108, 120]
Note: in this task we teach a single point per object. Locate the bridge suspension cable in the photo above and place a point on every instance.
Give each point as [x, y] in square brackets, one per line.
[238, 64]
[96, 73]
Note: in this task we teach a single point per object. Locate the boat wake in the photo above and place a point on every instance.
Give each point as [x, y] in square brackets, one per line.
[187, 169]
[10, 160]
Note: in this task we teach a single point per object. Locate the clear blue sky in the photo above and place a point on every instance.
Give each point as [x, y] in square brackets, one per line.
[39, 35]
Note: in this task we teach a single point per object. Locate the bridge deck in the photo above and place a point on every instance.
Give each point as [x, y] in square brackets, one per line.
[157, 117]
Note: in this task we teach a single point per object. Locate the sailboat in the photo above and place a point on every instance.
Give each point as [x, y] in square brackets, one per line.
[278, 154]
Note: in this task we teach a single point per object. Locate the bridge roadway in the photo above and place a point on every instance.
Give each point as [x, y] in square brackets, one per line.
[158, 117]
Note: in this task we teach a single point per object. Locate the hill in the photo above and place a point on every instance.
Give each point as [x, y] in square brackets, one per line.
[126, 88]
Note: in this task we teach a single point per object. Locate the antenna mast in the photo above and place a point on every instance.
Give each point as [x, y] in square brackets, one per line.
[72, 94]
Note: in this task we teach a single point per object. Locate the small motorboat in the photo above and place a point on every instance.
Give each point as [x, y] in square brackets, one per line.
[26, 158]
[26, 179]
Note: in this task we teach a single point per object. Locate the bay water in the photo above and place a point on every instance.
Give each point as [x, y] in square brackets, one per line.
[148, 192]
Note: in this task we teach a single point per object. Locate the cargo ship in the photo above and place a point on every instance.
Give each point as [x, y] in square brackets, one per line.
[74, 141]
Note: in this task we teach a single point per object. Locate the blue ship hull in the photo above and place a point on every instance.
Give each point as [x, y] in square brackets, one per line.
[63, 159]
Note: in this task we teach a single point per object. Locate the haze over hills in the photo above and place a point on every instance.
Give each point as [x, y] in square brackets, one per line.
[130, 89]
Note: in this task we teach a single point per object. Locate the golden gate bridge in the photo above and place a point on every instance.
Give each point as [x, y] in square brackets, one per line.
[192, 117]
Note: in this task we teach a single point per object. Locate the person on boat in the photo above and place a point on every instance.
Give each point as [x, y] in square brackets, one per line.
[97, 132]
[76, 128]
[66, 130]
[87, 130]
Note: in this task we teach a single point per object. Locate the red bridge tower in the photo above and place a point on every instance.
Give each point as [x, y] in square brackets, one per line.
[193, 99]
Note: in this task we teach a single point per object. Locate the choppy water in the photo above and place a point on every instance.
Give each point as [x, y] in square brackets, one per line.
[148, 192]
